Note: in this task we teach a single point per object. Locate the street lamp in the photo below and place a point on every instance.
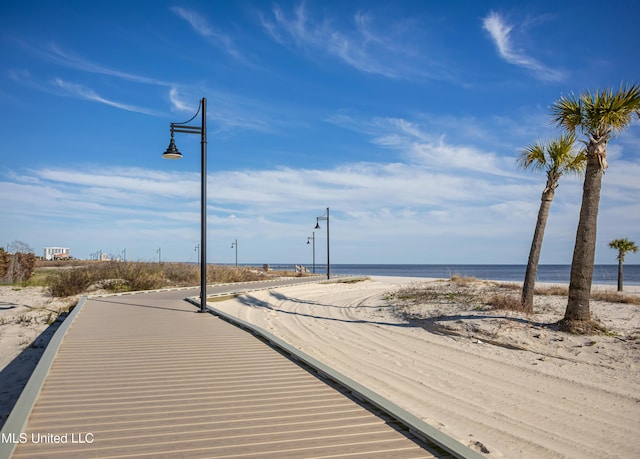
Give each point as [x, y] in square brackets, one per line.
[235, 244]
[318, 227]
[313, 238]
[173, 153]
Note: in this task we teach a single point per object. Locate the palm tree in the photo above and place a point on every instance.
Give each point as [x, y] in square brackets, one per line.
[556, 158]
[622, 246]
[598, 116]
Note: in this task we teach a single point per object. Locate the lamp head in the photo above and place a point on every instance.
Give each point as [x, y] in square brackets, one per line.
[308, 242]
[317, 225]
[172, 152]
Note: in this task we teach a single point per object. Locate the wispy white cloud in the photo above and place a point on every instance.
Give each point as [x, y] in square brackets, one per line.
[201, 26]
[82, 92]
[177, 103]
[196, 21]
[500, 32]
[137, 182]
[231, 112]
[227, 110]
[407, 198]
[400, 188]
[61, 86]
[401, 204]
[305, 34]
[432, 151]
[364, 46]
[63, 57]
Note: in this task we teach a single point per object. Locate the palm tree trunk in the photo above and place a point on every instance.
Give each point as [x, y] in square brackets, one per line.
[620, 286]
[531, 273]
[585, 248]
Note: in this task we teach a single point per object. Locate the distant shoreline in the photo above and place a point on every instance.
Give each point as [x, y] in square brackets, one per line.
[603, 274]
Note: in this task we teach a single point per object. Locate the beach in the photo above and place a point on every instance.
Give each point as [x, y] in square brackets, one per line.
[504, 383]
[27, 323]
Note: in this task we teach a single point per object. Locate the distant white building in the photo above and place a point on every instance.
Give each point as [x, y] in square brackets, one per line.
[56, 253]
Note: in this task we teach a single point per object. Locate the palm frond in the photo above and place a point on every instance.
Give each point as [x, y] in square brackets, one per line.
[577, 164]
[623, 246]
[605, 113]
[557, 156]
[533, 157]
[624, 104]
[567, 112]
[564, 157]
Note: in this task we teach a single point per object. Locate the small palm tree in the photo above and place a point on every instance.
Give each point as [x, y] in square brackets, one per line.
[556, 158]
[598, 116]
[623, 246]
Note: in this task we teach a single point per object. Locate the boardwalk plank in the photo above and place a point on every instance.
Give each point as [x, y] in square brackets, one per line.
[147, 376]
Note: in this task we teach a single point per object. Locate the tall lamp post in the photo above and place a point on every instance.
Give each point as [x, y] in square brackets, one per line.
[323, 217]
[173, 153]
[235, 244]
[313, 238]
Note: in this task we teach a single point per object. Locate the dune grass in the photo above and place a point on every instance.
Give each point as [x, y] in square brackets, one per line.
[114, 276]
[491, 295]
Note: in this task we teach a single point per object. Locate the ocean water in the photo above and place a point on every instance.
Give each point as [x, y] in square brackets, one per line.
[602, 274]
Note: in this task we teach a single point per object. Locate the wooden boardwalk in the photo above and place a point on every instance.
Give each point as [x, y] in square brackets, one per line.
[147, 376]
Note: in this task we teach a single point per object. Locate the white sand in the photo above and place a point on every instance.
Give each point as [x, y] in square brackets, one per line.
[453, 366]
[25, 330]
[564, 396]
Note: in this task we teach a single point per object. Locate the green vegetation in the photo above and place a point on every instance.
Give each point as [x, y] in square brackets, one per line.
[38, 278]
[556, 158]
[473, 294]
[351, 280]
[456, 291]
[622, 246]
[116, 276]
[598, 117]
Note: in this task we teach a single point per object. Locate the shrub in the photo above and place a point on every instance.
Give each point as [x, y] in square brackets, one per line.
[68, 282]
[17, 267]
[451, 293]
[182, 273]
[26, 265]
[554, 290]
[615, 297]
[137, 276]
[462, 281]
[506, 302]
[228, 274]
[5, 259]
[134, 276]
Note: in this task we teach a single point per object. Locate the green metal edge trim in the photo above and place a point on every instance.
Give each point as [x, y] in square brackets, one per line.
[416, 426]
[17, 420]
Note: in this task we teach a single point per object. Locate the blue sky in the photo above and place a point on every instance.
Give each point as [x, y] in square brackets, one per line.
[404, 117]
